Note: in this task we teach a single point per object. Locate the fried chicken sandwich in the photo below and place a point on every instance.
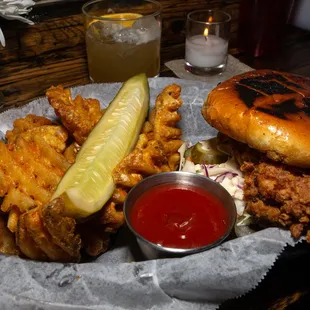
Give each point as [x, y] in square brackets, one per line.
[263, 118]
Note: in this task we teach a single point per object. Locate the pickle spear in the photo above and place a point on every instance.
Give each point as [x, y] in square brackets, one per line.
[88, 184]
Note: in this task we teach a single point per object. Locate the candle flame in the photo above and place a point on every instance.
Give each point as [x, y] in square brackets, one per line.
[210, 19]
[206, 32]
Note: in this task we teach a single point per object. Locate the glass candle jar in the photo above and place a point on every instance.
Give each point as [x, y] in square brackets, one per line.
[207, 36]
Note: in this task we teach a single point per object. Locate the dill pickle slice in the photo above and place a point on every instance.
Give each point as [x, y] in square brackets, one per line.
[188, 152]
[207, 152]
[88, 184]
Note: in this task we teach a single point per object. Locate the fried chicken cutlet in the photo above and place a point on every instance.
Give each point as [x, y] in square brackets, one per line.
[278, 194]
[275, 193]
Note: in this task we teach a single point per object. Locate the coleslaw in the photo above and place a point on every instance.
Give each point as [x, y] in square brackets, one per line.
[227, 174]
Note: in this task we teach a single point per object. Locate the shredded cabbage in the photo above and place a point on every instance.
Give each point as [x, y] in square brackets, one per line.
[227, 174]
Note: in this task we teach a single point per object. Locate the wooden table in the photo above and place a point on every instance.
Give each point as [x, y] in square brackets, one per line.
[53, 51]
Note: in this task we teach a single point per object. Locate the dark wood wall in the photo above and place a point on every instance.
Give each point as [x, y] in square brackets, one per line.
[53, 50]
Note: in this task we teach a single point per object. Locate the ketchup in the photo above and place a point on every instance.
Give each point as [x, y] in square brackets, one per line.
[178, 216]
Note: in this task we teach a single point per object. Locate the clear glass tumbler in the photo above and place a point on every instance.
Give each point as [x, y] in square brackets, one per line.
[122, 39]
[207, 36]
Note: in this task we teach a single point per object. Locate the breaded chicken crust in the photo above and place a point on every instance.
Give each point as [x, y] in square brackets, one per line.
[278, 194]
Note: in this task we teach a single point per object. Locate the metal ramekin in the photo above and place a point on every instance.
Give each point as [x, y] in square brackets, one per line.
[152, 250]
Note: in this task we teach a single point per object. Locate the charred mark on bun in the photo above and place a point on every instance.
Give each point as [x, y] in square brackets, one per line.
[252, 88]
[267, 87]
[247, 95]
[282, 109]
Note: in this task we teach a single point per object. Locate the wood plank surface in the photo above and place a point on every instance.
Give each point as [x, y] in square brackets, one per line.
[53, 50]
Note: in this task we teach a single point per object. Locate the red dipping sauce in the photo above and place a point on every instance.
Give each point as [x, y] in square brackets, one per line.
[178, 216]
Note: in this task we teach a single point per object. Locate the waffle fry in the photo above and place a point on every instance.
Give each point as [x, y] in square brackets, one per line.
[95, 240]
[165, 118]
[156, 151]
[79, 116]
[61, 228]
[7, 240]
[24, 124]
[26, 243]
[36, 156]
[31, 165]
[157, 148]
[13, 219]
[71, 152]
[44, 233]
[42, 238]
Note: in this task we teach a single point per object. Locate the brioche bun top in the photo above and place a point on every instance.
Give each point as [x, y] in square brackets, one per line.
[266, 109]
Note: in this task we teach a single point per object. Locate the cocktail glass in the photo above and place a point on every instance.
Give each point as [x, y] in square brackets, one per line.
[122, 39]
